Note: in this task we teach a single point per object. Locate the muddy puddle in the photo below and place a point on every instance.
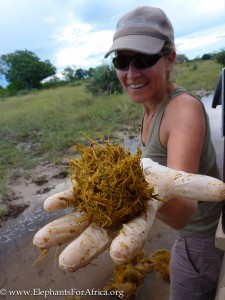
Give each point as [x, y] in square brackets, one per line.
[20, 280]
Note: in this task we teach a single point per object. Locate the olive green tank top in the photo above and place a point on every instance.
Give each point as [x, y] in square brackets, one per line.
[205, 220]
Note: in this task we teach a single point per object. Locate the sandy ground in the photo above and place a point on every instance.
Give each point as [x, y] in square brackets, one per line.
[41, 180]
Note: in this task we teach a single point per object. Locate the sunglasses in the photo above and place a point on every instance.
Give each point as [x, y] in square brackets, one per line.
[140, 61]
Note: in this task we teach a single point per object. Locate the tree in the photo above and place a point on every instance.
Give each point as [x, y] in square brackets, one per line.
[104, 80]
[71, 73]
[23, 69]
[206, 56]
[90, 72]
[80, 74]
[220, 57]
[181, 58]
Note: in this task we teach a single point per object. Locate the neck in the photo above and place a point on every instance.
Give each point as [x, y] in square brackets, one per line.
[153, 103]
[148, 118]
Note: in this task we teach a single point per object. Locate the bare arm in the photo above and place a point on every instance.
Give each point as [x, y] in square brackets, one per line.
[182, 132]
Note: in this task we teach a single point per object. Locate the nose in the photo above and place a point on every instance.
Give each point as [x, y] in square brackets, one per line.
[133, 71]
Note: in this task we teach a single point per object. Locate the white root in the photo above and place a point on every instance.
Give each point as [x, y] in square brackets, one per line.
[198, 187]
[61, 230]
[92, 242]
[133, 235]
[173, 183]
[59, 200]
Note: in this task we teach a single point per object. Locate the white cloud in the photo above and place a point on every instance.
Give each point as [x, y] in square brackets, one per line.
[50, 20]
[81, 45]
[73, 33]
[203, 40]
[85, 52]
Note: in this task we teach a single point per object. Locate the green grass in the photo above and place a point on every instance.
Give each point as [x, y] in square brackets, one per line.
[197, 75]
[44, 126]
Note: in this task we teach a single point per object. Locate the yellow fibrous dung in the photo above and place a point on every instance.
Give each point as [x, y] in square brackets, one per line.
[109, 184]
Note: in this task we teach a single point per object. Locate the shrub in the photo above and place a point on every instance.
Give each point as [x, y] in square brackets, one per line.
[104, 81]
[220, 57]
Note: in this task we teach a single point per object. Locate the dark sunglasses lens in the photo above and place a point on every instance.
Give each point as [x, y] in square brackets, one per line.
[140, 61]
[146, 61]
[122, 62]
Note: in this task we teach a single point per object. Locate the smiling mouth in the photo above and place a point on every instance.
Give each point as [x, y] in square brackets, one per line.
[137, 85]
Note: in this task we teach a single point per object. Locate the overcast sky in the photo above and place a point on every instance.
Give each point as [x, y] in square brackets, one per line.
[79, 32]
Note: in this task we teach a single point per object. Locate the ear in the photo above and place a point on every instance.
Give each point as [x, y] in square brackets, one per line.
[172, 55]
[170, 59]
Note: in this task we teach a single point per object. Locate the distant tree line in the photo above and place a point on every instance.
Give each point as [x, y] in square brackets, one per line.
[219, 57]
[25, 71]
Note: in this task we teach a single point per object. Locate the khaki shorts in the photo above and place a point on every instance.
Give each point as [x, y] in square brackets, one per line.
[194, 268]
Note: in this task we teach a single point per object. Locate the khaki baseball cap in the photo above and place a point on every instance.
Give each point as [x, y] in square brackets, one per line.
[144, 30]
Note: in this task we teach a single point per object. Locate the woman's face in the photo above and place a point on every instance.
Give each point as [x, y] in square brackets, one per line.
[148, 84]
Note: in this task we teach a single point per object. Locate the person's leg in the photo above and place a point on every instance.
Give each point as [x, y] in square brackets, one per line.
[194, 269]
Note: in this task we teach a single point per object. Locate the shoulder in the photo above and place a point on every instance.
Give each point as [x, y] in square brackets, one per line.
[185, 100]
[185, 107]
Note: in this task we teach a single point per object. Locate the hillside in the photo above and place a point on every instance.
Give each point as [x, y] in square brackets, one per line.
[197, 75]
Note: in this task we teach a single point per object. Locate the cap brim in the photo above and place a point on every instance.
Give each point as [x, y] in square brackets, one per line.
[140, 43]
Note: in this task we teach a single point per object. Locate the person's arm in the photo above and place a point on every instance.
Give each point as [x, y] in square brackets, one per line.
[182, 132]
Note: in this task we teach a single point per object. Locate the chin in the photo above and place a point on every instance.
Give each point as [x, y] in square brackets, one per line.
[137, 100]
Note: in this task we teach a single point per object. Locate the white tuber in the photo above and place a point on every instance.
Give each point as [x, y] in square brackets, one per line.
[61, 230]
[92, 242]
[59, 200]
[173, 183]
[133, 235]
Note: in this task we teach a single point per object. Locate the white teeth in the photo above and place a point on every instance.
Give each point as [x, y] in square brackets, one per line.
[136, 86]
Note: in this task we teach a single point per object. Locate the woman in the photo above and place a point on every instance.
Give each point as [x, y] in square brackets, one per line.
[175, 132]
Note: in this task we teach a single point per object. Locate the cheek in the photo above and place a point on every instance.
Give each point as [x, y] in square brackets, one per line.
[121, 76]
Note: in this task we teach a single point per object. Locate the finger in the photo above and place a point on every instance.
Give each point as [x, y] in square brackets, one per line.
[59, 201]
[61, 230]
[133, 235]
[92, 242]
